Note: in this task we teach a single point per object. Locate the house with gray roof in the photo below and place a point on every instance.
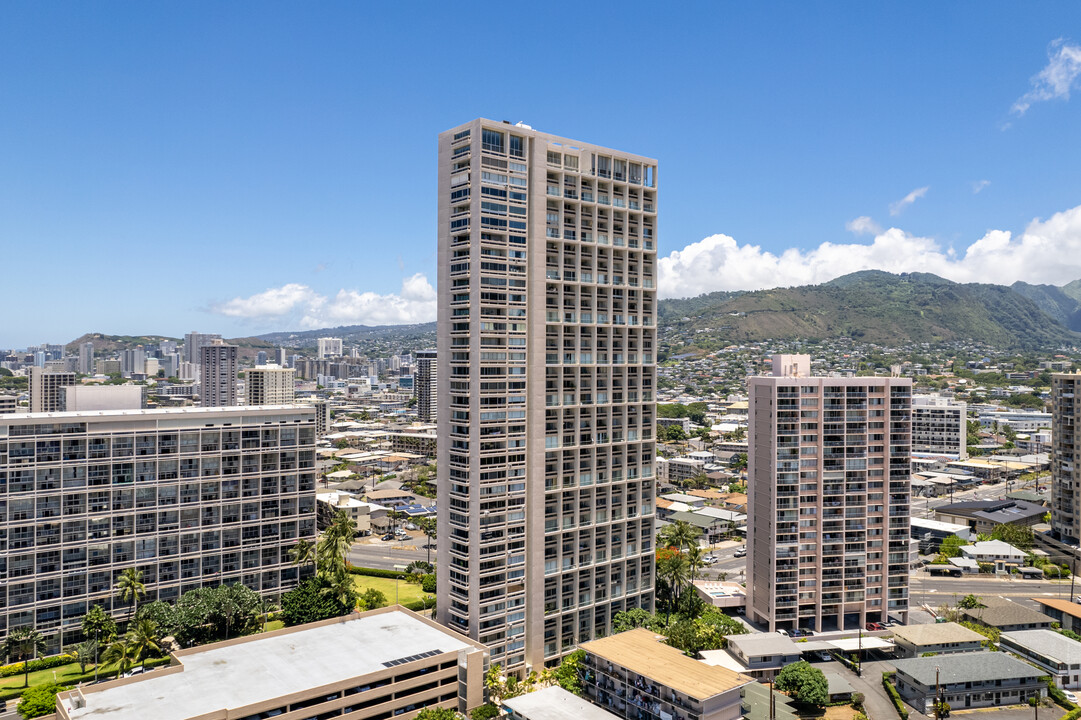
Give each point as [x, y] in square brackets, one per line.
[1056, 654]
[1006, 615]
[967, 680]
[763, 654]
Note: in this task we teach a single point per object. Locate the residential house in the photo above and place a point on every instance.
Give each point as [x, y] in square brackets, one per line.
[1055, 653]
[941, 639]
[967, 680]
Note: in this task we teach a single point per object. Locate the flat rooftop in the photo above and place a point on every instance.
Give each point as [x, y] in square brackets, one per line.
[640, 652]
[233, 675]
[555, 703]
[1045, 642]
[75, 416]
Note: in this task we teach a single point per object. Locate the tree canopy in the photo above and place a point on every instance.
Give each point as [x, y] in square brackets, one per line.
[804, 682]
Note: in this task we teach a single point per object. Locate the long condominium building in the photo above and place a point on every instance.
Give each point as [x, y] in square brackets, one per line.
[828, 498]
[546, 367]
[1066, 457]
[329, 347]
[188, 496]
[424, 385]
[219, 363]
[269, 385]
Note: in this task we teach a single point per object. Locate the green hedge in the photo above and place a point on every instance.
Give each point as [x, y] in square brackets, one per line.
[376, 572]
[1057, 695]
[894, 696]
[1072, 715]
[35, 665]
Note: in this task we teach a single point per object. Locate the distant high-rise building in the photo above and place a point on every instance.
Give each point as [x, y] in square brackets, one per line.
[45, 389]
[269, 385]
[167, 347]
[281, 358]
[828, 497]
[194, 342]
[939, 426]
[546, 374]
[86, 358]
[133, 361]
[424, 385]
[261, 357]
[219, 367]
[329, 347]
[1066, 457]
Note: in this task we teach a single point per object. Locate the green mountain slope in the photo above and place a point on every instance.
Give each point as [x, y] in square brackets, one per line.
[1055, 301]
[879, 307]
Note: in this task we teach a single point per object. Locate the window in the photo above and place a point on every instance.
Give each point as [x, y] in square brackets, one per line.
[517, 146]
[492, 140]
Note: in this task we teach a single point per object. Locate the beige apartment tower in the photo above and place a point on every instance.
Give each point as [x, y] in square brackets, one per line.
[546, 409]
[269, 385]
[1066, 458]
[45, 388]
[828, 496]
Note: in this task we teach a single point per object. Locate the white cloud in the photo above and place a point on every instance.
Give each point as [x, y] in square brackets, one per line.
[414, 303]
[863, 225]
[1054, 81]
[979, 185]
[1048, 251]
[897, 207]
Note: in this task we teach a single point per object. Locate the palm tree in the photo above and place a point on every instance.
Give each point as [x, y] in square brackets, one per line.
[303, 553]
[144, 639]
[85, 653]
[24, 643]
[674, 570]
[337, 539]
[680, 534]
[342, 589]
[695, 561]
[119, 652]
[130, 588]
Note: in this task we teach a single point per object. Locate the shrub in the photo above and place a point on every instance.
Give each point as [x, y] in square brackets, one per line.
[39, 700]
[894, 696]
[485, 712]
[376, 572]
[427, 583]
[1056, 694]
[35, 665]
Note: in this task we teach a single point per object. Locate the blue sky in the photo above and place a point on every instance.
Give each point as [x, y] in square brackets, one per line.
[245, 167]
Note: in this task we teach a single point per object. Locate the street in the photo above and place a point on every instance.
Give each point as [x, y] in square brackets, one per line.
[371, 552]
[934, 591]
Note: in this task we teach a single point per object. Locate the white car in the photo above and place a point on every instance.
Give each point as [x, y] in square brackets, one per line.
[709, 559]
[1070, 696]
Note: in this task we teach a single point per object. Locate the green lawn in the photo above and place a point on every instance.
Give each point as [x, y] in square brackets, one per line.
[69, 674]
[407, 592]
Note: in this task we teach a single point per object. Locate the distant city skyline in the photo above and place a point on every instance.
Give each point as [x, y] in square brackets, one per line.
[799, 143]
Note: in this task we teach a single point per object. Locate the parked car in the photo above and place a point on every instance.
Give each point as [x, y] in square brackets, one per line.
[874, 627]
[783, 632]
[806, 632]
[823, 656]
[388, 536]
[1072, 697]
[795, 632]
[709, 559]
[742, 552]
[410, 526]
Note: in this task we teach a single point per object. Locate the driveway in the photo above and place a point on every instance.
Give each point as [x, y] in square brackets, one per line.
[876, 703]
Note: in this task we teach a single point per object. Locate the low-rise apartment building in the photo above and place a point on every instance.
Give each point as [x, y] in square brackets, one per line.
[1056, 654]
[635, 676]
[967, 680]
[941, 639]
[369, 666]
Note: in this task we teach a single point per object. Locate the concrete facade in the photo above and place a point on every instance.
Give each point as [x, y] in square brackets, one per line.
[378, 664]
[424, 385]
[219, 364]
[269, 385]
[189, 496]
[828, 500]
[45, 389]
[1066, 458]
[939, 426]
[546, 380]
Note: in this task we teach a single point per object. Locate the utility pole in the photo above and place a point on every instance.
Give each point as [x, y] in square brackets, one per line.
[859, 655]
[772, 702]
[938, 694]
